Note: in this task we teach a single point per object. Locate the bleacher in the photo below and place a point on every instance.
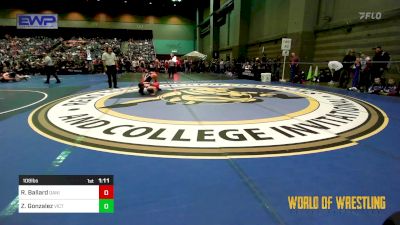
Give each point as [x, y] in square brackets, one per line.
[70, 55]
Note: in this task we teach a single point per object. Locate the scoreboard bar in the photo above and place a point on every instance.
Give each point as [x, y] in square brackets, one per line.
[66, 194]
[66, 179]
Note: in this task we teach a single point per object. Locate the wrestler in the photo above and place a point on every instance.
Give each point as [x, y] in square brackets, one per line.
[153, 88]
[12, 76]
[147, 79]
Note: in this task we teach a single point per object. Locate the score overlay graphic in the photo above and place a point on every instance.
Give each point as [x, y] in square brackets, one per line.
[66, 194]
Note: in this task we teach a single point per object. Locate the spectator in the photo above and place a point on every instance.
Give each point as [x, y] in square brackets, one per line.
[376, 87]
[221, 66]
[347, 62]
[380, 62]
[72, 55]
[135, 64]
[366, 75]
[171, 66]
[89, 61]
[356, 75]
[391, 89]
[276, 68]
[257, 69]
[294, 66]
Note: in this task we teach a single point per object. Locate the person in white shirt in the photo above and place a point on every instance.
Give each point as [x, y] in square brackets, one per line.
[110, 66]
[135, 65]
[89, 61]
[171, 66]
[49, 68]
[222, 66]
[336, 68]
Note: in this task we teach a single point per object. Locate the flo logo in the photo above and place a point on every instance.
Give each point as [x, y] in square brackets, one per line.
[204, 120]
[370, 15]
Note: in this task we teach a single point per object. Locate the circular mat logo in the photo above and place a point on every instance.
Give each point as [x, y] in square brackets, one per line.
[209, 120]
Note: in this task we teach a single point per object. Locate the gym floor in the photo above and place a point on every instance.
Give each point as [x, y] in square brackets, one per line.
[173, 190]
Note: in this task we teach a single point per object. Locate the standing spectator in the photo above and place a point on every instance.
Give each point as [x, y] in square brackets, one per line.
[171, 67]
[257, 69]
[49, 68]
[347, 62]
[157, 65]
[294, 65]
[356, 76]
[366, 75]
[166, 64]
[185, 65]
[380, 62]
[221, 66]
[189, 65]
[109, 63]
[89, 61]
[201, 66]
[128, 65]
[135, 64]
[276, 68]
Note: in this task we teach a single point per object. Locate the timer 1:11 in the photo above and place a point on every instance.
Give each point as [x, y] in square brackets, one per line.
[104, 180]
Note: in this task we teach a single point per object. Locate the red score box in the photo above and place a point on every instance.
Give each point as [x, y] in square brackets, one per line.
[106, 191]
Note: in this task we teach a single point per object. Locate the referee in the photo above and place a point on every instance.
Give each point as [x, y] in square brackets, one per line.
[109, 63]
[49, 68]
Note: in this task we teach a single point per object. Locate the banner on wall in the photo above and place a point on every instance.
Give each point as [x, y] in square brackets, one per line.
[178, 47]
[37, 21]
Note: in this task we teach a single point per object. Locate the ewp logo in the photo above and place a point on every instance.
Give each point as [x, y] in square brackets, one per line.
[37, 21]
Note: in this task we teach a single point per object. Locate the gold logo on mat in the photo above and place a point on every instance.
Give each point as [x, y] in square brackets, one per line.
[192, 96]
[302, 121]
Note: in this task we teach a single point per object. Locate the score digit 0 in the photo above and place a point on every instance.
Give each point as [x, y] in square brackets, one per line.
[106, 191]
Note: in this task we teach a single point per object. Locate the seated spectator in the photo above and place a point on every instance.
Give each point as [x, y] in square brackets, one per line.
[376, 87]
[299, 78]
[391, 89]
[247, 69]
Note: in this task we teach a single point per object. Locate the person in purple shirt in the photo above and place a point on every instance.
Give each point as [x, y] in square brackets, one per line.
[356, 75]
[391, 89]
[294, 65]
[376, 87]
